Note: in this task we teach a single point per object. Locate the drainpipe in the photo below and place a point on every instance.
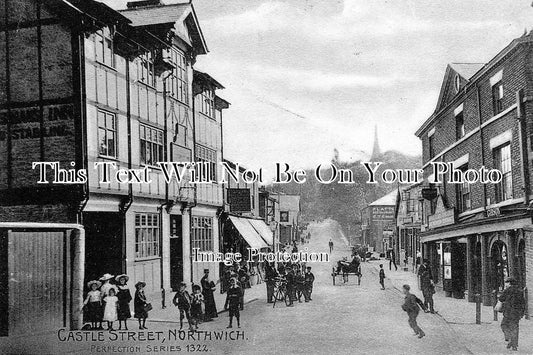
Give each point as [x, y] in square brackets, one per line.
[479, 116]
[522, 139]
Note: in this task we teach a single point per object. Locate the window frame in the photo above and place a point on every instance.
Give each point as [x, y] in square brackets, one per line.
[147, 145]
[497, 97]
[104, 39]
[107, 129]
[146, 69]
[460, 130]
[202, 233]
[207, 103]
[464, 193]
[147, 236]
[203, 154]
[504, 189]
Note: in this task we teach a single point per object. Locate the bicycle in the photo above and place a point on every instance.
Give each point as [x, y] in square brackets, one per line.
[280, 293]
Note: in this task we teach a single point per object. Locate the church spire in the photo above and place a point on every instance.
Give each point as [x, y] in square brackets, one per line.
[376, 151]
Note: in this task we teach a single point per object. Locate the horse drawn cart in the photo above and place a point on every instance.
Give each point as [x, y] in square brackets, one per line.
[346, 268]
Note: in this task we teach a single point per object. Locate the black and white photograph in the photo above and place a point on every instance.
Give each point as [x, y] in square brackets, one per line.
[266, 177]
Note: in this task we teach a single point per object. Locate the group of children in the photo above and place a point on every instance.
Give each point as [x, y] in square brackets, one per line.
[109, 302]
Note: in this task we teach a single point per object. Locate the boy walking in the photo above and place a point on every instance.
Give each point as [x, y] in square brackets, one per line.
[182, 300]
[382, 276]
[410, 305]
[233, 301]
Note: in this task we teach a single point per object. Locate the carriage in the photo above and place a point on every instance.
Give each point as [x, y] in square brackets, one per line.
[345, 268]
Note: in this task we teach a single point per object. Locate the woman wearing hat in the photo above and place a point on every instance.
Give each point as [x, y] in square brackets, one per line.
[124, 299]
[93, 302]
[208, 289]
[106, 284]
[140, 304]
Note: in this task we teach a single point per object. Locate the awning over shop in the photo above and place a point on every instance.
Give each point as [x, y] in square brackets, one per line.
[487, 227]
[263, 230]
[248, 232]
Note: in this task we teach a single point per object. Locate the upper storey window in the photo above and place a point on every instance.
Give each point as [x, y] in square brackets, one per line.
[459, 123]
[178, 79]
[207, 106]
[497, 92]
[104, 47]
[431, 143]
[145, 69]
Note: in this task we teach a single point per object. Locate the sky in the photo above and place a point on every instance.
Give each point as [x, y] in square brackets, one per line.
[306, 76]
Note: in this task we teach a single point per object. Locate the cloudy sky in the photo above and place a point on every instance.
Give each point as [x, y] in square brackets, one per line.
[307, 76]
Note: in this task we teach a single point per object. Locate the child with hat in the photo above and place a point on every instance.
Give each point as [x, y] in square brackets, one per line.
[124, 299]
[93, 304]
[140, 304]
[182, 300]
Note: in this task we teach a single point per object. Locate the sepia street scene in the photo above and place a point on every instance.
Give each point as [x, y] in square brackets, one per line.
[266, 177]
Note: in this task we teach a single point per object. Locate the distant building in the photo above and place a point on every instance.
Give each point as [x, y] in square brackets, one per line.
[289, 217]
[378, 222]
[408, 222]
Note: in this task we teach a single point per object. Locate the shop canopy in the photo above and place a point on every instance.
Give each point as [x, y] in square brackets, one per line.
[263, 230]
[248, 232]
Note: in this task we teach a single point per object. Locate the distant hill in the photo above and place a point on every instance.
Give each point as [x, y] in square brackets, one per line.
[343, 202]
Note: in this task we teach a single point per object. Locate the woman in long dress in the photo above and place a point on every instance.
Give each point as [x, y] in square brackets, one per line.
[124, 299]
[208, 288]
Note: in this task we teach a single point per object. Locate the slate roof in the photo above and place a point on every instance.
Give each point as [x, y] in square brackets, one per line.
[466, 70]
[156, 15]
[387, 200]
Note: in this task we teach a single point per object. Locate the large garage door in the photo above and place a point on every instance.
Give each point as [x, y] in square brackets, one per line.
[37, 281]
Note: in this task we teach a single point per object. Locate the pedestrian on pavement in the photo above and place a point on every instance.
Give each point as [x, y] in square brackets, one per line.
[513, 309]
[233, 302]
[382, 276]
[330, 246]
[300, 285]
[244, 280]
[411, 306]
[111, 308]
[182, 300]
[392, 260]
[290, 285]
[124, 299]
[208, 290]
[93, 304]
[309, 280]
[270, 278]
[427, 285]
[140, 304]
[197, 305]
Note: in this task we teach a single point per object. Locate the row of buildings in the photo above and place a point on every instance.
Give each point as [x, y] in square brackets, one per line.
[474, 234]
[85, 84]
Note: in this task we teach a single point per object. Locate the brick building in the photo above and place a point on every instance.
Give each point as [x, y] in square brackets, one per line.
[86, 84]
[476, 234]
[378, 222]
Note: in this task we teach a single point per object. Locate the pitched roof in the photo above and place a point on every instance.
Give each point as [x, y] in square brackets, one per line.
[387, 200]
[467, 70]
[156, 15]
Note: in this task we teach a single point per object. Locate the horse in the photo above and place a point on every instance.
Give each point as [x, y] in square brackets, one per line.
[353, 267]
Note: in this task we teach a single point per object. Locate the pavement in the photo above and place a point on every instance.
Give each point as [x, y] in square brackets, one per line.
[460, 315]
[345, 318]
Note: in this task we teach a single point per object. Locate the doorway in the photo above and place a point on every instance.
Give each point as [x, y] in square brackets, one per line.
[176, 252]
[104, 246]
[500, 266]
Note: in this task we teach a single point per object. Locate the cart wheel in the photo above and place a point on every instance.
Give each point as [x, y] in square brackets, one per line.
[287, 299]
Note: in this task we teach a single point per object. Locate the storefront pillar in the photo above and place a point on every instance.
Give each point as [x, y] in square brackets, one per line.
[485, 269]
[470, 283]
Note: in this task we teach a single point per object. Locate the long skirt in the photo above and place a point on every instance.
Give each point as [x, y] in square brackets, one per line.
[210, 306]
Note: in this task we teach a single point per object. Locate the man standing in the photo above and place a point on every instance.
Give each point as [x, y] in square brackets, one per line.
[410, 305]
[309, 279]
[270, 278]
[427, 285]
[330, 246]
[208, 288]
[513, 309]
[392, 260]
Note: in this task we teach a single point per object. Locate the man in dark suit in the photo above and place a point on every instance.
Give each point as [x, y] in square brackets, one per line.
[513, 309]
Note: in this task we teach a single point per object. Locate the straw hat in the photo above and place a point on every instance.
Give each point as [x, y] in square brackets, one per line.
[106, 277]
[140, 283]
[92, 282]
[118, 277]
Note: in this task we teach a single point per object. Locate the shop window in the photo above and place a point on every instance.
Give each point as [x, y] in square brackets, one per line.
[107, 134]
[104, 47]
[502, 162]
[151, 145]
[202, 233]
[206, 155]
[146, 235]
